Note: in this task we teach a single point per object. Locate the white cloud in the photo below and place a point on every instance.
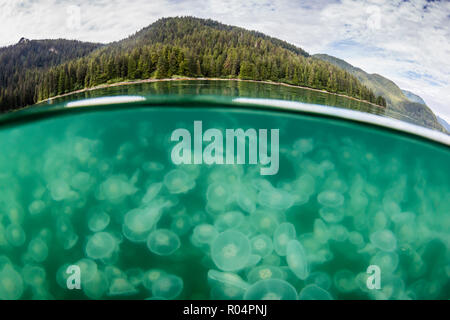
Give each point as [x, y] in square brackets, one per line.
[389, 37]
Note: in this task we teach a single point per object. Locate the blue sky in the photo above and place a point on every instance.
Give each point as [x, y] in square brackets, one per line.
[406, 41]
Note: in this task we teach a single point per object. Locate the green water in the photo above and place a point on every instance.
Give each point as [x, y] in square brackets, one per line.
[96, 188]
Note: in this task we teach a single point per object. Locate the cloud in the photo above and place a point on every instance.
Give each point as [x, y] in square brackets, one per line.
[406, 41]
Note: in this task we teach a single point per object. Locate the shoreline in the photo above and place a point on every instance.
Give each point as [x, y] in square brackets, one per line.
[151, 80]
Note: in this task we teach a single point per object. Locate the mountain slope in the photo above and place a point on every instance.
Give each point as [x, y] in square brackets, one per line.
[413, 97]
[395, 97]
[193, 47]
[444, 123]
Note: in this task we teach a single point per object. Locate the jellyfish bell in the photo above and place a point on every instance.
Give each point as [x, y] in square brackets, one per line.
[11, 283]
[181, 224]
[314, 292]
[60, 190]
[33, 276]
[97, 221]
[230, 250]
[345, 281]
[115, 189]
[229, 220]
[320, 279]
[135, 276]
[205, 233]
[265, 222]
[271, 289]
[264, 272]
[81, 181]
[15, 235]
[88, 269]
[331, 215]
[152, 191]
[226, 285]
[38, 250]
[297, 259]
[168, 286]
[386, 261]
[276, 199]
[101, 245]
[163, 242]
[321, 231]
[261, 245]
[384, 240]
[96, 287]
[178, 181]
[36, 207]
[121, 287]
[138, 223]
[151, 276]
[218, 196]
[281, 236]
[330, 198]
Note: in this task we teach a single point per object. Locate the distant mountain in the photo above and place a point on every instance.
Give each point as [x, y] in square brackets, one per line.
[171, 47]
[444, 124]
[413, 106]
[413, 97]
[19, 62]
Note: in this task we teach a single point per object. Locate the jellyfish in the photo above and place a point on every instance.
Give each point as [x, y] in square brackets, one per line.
[204, 233]
[98, 221]
[229, 220]
[338, 233]
[115, 189]
[152, 191]
[36, 207]
[272, 260]
[218, 196]
[11, 283]
[356, 239]
[60, 190]
[320, 279]
[387, 261]
[261, 245]
[230, 250]
[15, 235]
[65, 233]
[227, 278]
[264, 272]
[163, 242]
[331, 215]
[330, 198]
[282, 235]
[121, 287]
[101, 245]
[96, 287]
[151, 276]
[321, 232]
[33, 275]
[304, 145]
[314, 292]
[264, 221]
[139, 222]
[345, 281]
[135, 276]
[153, 166]
[168, 286]
[178, 181]
[38, 250]
[271, 289]
[246, 201]
[305, 185]
[88, 269]
[297, 260]
[81, 181]
[384, 240]
[181, 224]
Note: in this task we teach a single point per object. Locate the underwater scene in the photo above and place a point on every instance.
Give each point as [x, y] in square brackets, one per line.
[97, 188]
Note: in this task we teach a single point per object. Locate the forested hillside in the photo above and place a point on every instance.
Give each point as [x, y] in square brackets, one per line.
[187, 47]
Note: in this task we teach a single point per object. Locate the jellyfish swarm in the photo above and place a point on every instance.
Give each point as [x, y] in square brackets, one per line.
[230, 250]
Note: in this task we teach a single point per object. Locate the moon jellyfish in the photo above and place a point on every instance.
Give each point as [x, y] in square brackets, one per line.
[264, 273]
[330, 198]
[15, 235]
[345, 281]
[272, 260]
[167, 286]
[60, 190]
[321, 232]
[282, 235]
[11, 283]
[121, 287]
[36, 207]
[271, 289]
[163, 242]
[314, 292]
[229, 220]
[338, 233]
[33, 276]
[331, 215]
[178, 181]
[65, 233]
[139, 222]
[88, 269]
[275, 199]
[115, 189]
[356, 239]
[218, 196]
[38, 250]
[135, 276]
[253, 260]
[320, 279]
[181, 224]
[384, 240]
[246, 201]
[265, 222]
[151, 276]
[305, 185]
[261, 245]
[304, 145]
[152, 191]
[230, 250]
[98, 221]
[204, 233]
[97, 286]
[226, 285]
[387, 261]
[81, 181]
[297, 260]
[101, 245]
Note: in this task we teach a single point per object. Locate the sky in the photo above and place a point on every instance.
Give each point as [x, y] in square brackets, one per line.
[407, 41]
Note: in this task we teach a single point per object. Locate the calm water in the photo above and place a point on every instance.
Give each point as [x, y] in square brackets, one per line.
[98, 190]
